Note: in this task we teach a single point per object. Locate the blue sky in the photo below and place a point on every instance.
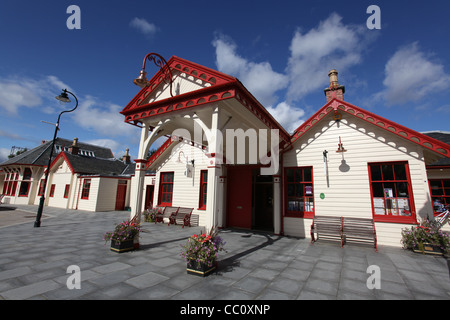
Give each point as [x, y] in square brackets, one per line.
[280, 50]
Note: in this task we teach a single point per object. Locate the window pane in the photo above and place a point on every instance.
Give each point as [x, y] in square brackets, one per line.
[402, 189]
[291, 190]
[400, 172]
[299, 192]
[298, 175]
[436, 187]
[388, 173]
[375, 172]
[307, 174]
[290, 175]
[377, 188]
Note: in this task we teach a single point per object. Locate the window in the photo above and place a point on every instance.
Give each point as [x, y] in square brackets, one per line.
[86, 189]
[203, 189]
[440, 194]
[52, 190]
[391, 192]
[10, 184]
[166, 188]
[41, 187]
[299, 192]
[66, 191]
[26, 182]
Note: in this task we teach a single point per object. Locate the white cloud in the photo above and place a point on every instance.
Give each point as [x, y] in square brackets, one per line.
[4, 153]
[288, 116]
[143, 26]
[332, 45]
[101, 117]
[259, 78]
[410, 76]
[29, 93]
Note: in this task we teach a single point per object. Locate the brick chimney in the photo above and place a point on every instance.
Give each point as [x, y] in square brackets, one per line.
[126, 157]
[334, 90]
[74, 147]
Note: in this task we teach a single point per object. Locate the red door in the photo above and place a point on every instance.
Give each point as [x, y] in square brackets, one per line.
[239, 194]
[120, 197]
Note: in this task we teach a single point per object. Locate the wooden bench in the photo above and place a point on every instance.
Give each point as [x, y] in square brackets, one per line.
[327, 227]
[182, 217]
[359, 230]
[166, 214]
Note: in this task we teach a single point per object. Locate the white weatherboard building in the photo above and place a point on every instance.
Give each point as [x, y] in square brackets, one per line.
[231, 161]
[82, 176]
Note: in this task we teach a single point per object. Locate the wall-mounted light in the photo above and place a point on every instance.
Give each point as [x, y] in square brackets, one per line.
[340, 146]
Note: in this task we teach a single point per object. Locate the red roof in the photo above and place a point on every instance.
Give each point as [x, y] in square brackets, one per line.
[340, 106]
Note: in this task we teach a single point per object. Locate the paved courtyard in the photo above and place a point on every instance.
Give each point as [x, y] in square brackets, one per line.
[257, 266]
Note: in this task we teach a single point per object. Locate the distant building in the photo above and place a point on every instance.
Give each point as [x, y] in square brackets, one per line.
[82, 176]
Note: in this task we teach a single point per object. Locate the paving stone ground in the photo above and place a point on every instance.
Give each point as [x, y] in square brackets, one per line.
[257, 266]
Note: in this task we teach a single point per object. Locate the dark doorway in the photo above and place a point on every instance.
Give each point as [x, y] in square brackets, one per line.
[262, 204]
[149, 189]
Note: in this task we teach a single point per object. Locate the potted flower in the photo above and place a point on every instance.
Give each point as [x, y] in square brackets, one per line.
[150, 214]
[122, 238]
[201, 252]
[426, 238]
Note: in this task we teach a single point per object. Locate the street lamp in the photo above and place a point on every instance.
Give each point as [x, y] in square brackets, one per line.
[64, 98]
[141, 81]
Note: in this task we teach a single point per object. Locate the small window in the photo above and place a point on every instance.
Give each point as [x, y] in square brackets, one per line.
[203, 189]
[66, 191]
[86, 189]
[52, 190]
[299, 192]
[166, 189]
[25, 184]
[440, 194]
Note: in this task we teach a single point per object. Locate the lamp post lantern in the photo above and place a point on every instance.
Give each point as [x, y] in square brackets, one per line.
[64, 98]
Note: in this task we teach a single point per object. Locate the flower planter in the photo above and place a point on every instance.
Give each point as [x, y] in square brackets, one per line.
[199, 268]
[122, 246]
[427, 248]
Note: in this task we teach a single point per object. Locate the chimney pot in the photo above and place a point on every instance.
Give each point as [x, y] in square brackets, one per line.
[334, 91]
[74, 147]
[126, 158]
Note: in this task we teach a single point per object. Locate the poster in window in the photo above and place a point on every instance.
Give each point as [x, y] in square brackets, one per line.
[403, 207]
[308, 190]
[378, 206]
[388, 193]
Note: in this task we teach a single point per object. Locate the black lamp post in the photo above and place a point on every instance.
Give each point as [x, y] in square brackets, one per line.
[63, 97]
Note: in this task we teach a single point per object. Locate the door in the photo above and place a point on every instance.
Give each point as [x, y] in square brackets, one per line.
[121, 196]
[263, 206]
[149, 196]
[239, 197]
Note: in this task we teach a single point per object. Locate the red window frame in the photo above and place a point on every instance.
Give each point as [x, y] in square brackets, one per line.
[203, 189]
[52, 190]
[299, 192]
[166, 189]
[86, 189]
[440, 194]
[41, 187]
[6, 185]
[26, 183]
[66, 191]
[391, 191]
[10, 184]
